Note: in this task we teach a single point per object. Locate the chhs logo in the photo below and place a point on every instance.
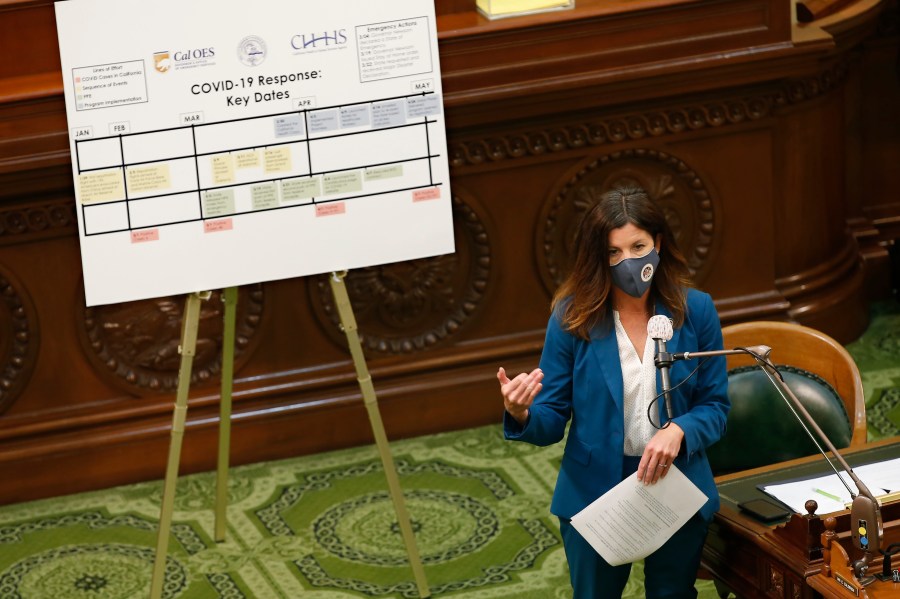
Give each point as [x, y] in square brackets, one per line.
[338, 37]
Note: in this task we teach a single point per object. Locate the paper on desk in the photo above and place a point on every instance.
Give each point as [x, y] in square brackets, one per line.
[830, 493]
[827, 491]
[884, 475]
[632, 520]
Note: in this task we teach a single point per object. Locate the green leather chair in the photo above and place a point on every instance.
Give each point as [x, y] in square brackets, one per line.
[761, 428]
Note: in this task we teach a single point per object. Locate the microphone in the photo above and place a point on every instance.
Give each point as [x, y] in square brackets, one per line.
[659, 328]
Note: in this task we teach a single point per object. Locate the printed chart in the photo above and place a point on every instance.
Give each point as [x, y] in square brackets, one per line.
[254, 152]
[318, 157]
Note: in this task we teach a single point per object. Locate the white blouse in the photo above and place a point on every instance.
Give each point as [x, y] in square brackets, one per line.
[639, 382]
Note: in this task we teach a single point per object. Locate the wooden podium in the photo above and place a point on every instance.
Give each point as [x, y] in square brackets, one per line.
[783, 560]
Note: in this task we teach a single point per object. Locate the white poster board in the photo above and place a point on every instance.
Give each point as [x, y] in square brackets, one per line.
[218, 143]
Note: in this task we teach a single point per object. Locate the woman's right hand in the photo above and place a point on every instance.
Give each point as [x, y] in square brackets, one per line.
[519, 393]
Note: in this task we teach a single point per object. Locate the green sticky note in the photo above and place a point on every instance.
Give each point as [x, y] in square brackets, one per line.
[347, 182]
[264, 196]
[218, 202]
[384, 172]
[304, 188]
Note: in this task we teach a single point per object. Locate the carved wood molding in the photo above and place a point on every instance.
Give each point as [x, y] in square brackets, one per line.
[134, 345]
[775, 583]
[827, 275]
[55, 218]
[417, 304]
[668, 180]
[19, 338]
[639, 126]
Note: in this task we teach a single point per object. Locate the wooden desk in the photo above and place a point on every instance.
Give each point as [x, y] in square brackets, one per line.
[778, 561]
[829, 588]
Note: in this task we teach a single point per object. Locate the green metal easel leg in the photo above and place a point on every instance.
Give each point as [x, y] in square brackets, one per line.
[348, 322]
[189, 327]
[229, 297]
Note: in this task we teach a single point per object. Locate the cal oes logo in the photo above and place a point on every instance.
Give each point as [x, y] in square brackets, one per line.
[161, 61]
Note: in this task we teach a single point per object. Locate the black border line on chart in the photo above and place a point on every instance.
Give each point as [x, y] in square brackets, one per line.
[307, 141]
[250, 118]
[303, 205]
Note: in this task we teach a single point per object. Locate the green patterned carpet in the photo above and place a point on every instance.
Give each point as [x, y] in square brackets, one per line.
[320, 526]
[323, 526]
[877, 353]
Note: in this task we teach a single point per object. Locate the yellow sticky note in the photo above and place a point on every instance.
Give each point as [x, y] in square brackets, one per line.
[278, 160]
[101, 186]
[222, 169]
[247, 159]
[148, 178]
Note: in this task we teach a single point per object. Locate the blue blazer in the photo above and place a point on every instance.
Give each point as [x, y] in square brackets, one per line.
[583, 382]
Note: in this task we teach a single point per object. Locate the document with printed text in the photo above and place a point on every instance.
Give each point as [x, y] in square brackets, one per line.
[219, 143]
[632, 520]
[830, 493]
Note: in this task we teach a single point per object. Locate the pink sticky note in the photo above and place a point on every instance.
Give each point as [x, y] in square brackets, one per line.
[144, 235]
[214, 226]
[330, 209]
[432, 193]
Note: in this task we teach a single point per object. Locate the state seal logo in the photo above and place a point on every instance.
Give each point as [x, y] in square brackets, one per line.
[252, 50]
[647, 272]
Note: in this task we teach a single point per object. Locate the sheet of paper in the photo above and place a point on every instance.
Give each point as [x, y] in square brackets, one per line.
[632, 520]
[828, 491]
[884, 475]
[502, 7]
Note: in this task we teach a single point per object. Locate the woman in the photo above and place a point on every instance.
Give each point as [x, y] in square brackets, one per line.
[597, 369]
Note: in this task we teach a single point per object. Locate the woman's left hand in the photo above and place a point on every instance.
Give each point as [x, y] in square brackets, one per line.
[659, 454]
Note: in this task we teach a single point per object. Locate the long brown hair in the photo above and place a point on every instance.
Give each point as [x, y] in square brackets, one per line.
[584, 296]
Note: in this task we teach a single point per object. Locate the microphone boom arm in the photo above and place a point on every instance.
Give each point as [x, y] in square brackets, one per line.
[864, 510]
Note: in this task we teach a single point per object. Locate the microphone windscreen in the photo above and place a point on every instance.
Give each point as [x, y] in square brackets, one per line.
[659, 327]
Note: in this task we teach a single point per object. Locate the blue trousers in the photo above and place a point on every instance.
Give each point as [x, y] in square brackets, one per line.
[669, 572]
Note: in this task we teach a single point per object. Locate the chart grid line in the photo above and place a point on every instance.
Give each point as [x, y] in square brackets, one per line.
[197, 171]
[196, 154]
[428, 149]
[308, 148]
[273, 180]
[305, 138]
[250, 118]
[229, 215]
[125, 182]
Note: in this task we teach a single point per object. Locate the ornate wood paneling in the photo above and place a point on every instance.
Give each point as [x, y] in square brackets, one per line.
[414, 306]
[773, 159]
[19, 339]
[134, 346]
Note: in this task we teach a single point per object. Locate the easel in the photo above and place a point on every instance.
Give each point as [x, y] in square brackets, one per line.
[189, 328]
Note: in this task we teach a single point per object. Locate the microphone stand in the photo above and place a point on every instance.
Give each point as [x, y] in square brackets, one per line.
[864, 511]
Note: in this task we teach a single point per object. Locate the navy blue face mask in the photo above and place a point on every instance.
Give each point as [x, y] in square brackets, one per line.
[634, 275]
